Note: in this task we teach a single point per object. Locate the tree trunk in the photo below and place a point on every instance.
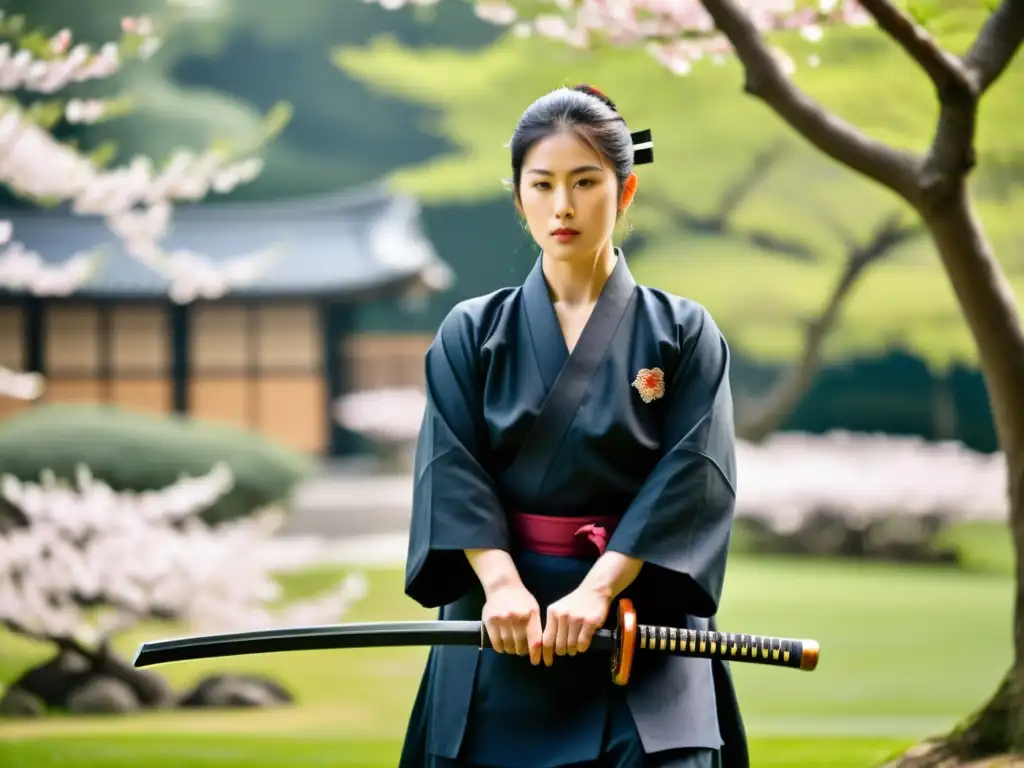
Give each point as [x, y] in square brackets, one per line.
[989, 308]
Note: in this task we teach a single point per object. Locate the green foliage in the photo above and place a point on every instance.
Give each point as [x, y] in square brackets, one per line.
[273, 123]
[706, 132]
[45, 113]
[14, 26]
[103, 155]
[135, 451]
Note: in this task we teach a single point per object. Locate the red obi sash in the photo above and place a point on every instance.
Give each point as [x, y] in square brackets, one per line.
[562, 536]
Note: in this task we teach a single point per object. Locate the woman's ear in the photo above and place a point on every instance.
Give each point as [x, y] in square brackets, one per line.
[628, 192]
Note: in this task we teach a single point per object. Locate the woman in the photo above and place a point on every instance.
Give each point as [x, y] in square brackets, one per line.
[577, 448]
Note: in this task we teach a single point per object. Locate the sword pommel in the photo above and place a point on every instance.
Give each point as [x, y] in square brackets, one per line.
[809, 655]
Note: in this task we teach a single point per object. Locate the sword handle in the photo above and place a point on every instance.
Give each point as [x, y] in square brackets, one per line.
[629, 636]
[754, 649]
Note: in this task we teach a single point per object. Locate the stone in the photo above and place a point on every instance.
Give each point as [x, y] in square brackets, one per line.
[236, 691]
[103, 696]
[17, 702]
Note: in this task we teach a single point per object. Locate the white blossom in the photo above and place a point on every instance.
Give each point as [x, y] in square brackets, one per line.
[385, 415]
[22, 269]
[142, 555]
[676, 33]
[20, 69]
[20, 386]
[85, 110]
[135, 200]
[863, 477]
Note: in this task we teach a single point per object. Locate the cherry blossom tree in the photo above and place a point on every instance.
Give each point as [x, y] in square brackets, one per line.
[69, 548]
[80, 563]
[934, 182]
[135, 199]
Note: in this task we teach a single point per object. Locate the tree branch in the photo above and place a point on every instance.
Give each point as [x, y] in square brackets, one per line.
[997, 43]
[951, 154]
[786, 395]
[949, 75]
[959, 85]
[759, 169]
[765, 79]
[719, 222]
[61, 641]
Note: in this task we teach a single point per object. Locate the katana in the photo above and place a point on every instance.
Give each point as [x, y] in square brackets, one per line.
[623, 642]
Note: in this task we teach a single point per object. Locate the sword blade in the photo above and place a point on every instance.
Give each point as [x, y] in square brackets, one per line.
[316, 638]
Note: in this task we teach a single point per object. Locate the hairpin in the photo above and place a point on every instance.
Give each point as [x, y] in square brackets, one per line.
[643, 147]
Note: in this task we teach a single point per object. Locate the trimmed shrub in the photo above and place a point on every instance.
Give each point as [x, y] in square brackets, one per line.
[133, 451]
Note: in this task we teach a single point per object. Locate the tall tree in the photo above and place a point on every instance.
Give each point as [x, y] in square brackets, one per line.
[933, 182]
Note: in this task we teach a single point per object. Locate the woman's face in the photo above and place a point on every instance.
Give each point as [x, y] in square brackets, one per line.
[569, 196]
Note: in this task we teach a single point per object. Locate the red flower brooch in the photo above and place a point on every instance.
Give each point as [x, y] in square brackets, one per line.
[650, 383]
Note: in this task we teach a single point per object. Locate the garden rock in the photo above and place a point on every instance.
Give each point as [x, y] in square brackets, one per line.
[54, 679]
[236, 691]
[103, 696]
[17, 702]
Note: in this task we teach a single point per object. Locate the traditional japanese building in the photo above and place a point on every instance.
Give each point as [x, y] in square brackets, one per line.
[272, 355]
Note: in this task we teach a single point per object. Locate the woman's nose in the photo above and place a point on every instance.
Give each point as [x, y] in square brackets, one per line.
[563, 205]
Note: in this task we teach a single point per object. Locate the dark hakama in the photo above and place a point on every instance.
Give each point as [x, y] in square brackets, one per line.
[516, 423]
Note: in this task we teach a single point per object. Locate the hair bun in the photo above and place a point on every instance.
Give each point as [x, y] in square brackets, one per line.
[591, 90]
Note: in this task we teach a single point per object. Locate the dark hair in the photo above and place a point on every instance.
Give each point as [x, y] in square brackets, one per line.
[585, 111]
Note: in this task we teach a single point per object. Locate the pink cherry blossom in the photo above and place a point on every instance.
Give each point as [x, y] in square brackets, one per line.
[139, 555]
[676, 33]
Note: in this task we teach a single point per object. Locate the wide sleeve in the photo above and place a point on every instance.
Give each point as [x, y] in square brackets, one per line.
[455, 505]
[681, 520]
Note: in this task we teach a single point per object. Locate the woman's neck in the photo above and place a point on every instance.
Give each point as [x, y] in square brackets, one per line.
[579, 281]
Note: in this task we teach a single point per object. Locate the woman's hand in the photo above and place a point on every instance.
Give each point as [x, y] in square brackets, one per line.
[511, 616]
[572, 621]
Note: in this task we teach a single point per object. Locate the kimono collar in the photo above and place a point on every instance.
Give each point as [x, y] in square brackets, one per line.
[546, 337]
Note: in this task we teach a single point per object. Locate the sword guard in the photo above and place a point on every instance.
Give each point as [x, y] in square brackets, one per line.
[625, 642]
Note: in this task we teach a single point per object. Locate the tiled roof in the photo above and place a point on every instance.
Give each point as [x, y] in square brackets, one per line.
[336, 245]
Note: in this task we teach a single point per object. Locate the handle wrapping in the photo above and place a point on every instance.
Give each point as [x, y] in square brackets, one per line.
[756, 649]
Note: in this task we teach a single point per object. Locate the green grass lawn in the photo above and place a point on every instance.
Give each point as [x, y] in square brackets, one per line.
[889, 675]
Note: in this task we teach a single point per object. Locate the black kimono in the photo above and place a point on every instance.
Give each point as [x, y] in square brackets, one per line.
[515, 422]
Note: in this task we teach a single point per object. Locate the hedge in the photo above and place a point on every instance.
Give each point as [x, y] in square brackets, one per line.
[135, 451]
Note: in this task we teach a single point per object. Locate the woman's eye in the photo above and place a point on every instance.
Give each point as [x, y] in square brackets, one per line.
[541, 185]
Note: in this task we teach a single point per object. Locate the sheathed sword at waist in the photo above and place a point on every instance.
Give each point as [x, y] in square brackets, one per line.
[623, 642]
